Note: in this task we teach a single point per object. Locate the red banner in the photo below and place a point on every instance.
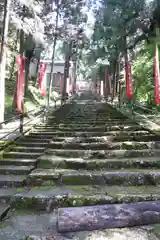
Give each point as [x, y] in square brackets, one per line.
[128, 73]
[42, 79]
[156, 76]
[60, 82]
[20, 61]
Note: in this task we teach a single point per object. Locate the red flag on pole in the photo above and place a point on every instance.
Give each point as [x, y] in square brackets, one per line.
[156, 76]
[20, 61]
[128, 73]
[42, 79]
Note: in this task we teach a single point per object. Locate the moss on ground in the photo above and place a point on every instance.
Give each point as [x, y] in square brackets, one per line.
[33, 100]
[83, 195]
[44, 164]
[156, 230]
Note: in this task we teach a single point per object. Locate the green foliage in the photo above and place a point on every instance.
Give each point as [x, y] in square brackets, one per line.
[143, 77]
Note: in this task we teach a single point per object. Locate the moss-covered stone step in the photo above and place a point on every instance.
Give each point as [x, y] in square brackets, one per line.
[89, 134]
[104, 146]
[35, 139]
[7, 193]
[18, 162]
[90, 129]
[90, 139]
[84, 124]
[89, 122]
[42, 135]
[33, 144]
[20, 155]
[15, 170]
[102, 154]
[48, 198]
[127, 177]
[97, 164]
[94, 119]
[51, 118]
[16, 148]
[12, 180]
[4, 143]
[93, 116]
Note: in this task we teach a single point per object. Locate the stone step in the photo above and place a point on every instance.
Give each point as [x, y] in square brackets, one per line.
[33, 144]
[21, 155]
[93, 119]
[110, 127]
[103, 139]
[34, 139]
[7, 193]
[127, 177]
[128, 145]
[15, 170]
[102, 154]
[42, 135]
[18, 162]
[90, 129]
[25, 149]
[84, 124]
[12, 180]
[109, 114]
[49, 198]
[98, 164]
[85, 133]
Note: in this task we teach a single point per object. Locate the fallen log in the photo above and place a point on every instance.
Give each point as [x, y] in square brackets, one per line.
[108, 216]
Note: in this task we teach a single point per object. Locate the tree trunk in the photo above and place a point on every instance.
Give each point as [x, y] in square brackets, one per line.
[66, 68]
[114, 77]
[53, 54]
[74, 77]
[7, 4]
[108, 216]
[14, 59]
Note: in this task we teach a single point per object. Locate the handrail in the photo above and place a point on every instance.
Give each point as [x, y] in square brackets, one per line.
[6, 135]
[39, 112]
[144, 108]
[15, 117]
[138, 105]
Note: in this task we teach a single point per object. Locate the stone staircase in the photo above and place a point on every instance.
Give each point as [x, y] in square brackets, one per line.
[94, 155]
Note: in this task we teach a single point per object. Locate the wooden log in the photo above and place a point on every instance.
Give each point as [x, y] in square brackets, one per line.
[108, 216]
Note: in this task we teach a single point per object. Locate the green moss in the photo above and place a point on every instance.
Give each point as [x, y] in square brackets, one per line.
[91, 165]
[74, 165]
[130, 146]
[156, 229]
[25, 203]
[20, 190]
[3, 225]
[45, 187]
[23, 212]
[78, 179]
[44, 164]
[40, 181]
